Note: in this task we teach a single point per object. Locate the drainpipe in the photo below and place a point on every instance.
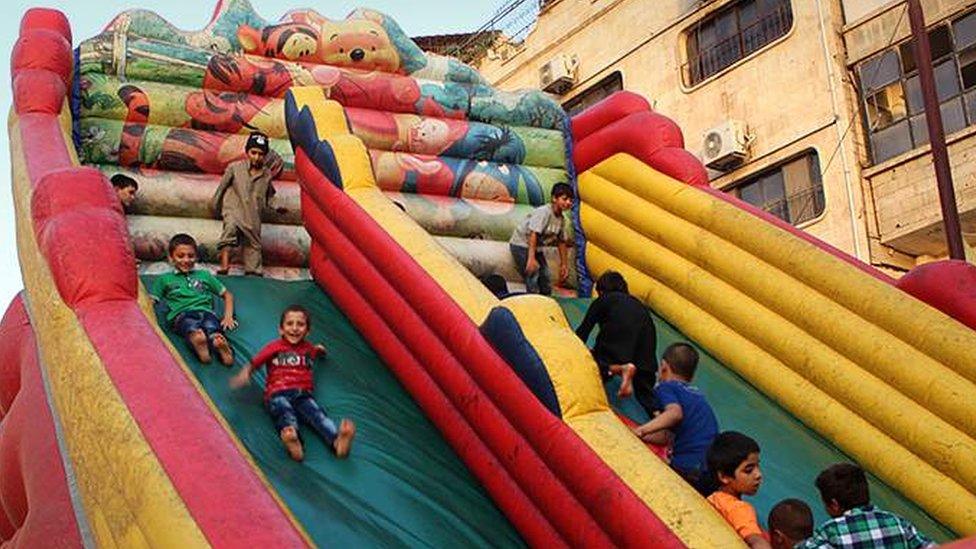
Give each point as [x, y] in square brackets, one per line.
[840, 132]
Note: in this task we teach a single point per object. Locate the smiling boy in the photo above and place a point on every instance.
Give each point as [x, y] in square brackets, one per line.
[189, 293]
[288, 391]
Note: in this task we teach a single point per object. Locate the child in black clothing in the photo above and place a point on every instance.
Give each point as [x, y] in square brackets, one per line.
[627, 339]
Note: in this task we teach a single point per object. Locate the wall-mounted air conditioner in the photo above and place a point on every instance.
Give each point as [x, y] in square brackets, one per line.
[726, 146]
[559, 74]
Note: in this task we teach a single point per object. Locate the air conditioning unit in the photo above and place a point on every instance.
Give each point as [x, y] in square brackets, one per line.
[726, 146]
[559, 74]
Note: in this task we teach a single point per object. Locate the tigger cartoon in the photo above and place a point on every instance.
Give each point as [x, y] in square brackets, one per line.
[137, 116]
[291, 41]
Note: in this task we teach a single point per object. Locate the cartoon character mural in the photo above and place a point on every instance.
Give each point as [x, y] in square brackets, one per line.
[291, 41]
[358, 43]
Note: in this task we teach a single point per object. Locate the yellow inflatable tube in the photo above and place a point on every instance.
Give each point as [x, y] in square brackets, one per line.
[573, 372]
[791, 335]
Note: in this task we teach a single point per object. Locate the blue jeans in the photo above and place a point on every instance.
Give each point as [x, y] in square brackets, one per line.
[191, 321]
[538, 282]
[288, 406]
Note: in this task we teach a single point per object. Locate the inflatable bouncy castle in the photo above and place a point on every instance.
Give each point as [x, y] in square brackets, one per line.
[482, 421]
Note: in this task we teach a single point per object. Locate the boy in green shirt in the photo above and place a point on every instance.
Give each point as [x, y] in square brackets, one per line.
[189, 293]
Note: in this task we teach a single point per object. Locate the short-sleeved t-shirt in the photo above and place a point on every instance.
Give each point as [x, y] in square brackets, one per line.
[542, 221]
[737, 513]
[182, 292]
[698, 427]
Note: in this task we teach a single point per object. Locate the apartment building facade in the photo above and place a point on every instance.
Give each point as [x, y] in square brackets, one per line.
[809, 109]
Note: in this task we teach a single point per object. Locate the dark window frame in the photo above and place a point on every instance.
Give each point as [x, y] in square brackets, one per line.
[749, 37]
[812, 195]
[595, 93]
[954, 63]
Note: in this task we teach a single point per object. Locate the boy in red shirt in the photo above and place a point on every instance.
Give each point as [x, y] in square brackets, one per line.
[289, 387]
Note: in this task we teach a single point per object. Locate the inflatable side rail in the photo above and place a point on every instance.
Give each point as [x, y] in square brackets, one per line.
[34, 489]
[545, 479]
[888, 379]
[152, 462]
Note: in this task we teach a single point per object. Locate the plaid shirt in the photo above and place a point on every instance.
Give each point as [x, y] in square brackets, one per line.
[866, 527]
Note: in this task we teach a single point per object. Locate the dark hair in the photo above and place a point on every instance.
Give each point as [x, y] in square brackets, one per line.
[728, 451]
[122, 181]
[611, 281]
[562, 189]
[844, 483]
[683, 359]
[793, 518]
[496, 284]
[294, 308]
[181, 239]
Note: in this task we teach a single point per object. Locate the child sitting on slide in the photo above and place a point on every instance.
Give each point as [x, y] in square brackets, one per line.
[189, 294]
[288, 391]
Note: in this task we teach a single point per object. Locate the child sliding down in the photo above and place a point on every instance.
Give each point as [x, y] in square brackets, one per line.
[288, 392]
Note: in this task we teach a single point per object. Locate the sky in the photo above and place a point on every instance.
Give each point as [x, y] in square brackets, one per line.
[416, 17]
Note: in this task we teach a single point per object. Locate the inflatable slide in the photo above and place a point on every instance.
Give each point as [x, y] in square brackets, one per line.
[483, 422]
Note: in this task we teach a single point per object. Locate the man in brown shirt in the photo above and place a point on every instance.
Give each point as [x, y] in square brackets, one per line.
[245, 191]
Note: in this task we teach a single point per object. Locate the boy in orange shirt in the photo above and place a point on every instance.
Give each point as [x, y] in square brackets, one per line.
[734, 460]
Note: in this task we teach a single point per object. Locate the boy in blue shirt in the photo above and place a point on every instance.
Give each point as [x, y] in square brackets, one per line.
[687, 418]
[189, 293]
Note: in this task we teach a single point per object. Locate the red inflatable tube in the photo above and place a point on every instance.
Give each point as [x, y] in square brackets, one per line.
[640, 134]
[48, 19]
[618, 105]
[519, 509]
[565, 454]
[518, 457]
[34, 496]
[948, 285]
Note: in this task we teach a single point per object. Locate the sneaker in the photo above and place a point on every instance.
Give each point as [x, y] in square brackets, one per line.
[347, 430]
[289, 435]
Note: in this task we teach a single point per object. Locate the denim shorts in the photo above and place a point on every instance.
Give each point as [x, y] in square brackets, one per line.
[190, 321]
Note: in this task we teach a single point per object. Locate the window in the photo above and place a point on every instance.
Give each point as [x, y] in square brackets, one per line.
[892, 95]
[792, 191]
[594, 94]
[730, 34]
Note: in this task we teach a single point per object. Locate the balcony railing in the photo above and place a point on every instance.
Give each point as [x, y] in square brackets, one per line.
[725, 53]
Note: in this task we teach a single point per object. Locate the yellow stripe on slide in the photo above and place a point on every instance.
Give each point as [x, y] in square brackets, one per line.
[910, 320]
[570, 366]
[128, 499]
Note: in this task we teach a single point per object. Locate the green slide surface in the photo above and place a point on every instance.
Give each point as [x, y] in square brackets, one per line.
[402, 485]
[791, 454]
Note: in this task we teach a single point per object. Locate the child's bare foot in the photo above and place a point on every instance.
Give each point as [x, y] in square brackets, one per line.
[347, 430]
[198, 340]
[289, 435]
[627, 372]
[224, 352]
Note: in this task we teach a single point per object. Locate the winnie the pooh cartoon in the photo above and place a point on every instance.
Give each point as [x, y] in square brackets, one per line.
[357, 42]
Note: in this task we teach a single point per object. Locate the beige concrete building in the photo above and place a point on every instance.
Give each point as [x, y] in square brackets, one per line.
[816, 102]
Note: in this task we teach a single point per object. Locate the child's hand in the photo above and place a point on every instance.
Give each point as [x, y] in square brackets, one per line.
[228, 323]
[320, 348]
[242, 379]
